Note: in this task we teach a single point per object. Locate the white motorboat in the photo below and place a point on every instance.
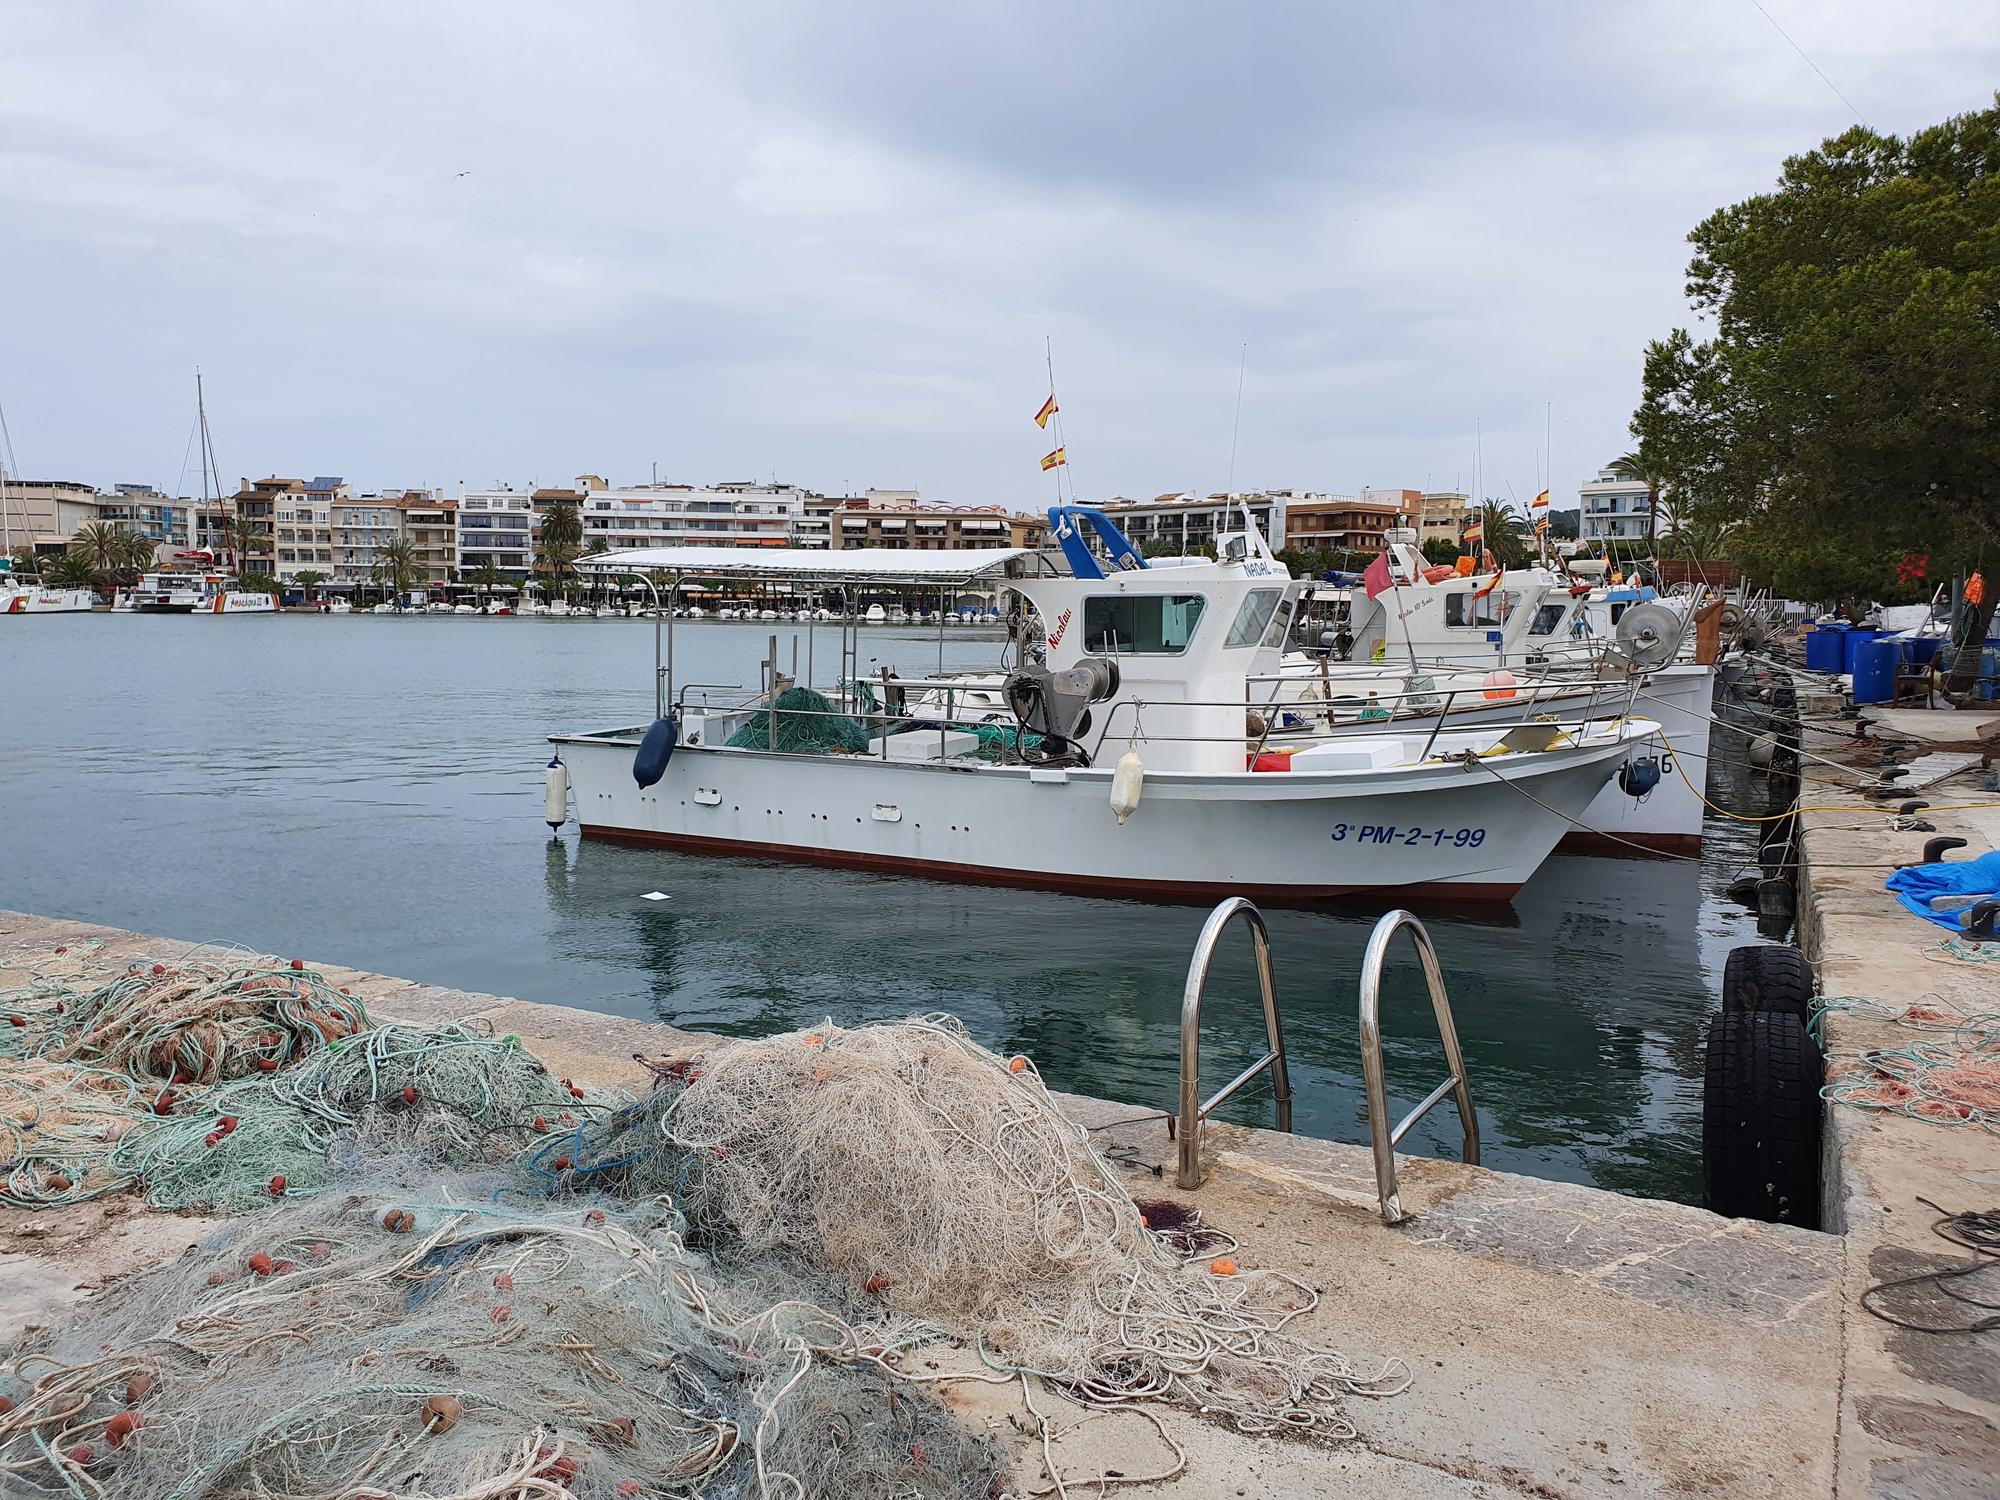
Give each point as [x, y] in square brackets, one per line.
[1131, 769]
[339, 607]
[22, 597]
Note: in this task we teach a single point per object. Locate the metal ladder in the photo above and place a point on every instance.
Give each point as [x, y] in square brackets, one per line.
[1187, 1172]
[1381, 1137]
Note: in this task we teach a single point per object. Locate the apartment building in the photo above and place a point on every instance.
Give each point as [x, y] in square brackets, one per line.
[899, 519]
[497, 528]
[1344, 522]
[257, 506]
[430, 526]
[362, 526]
[144, 511]
[1185, 523]
[41, 515]
[1441, 515]
[1614, 509]
[681, 515]
[303, 524]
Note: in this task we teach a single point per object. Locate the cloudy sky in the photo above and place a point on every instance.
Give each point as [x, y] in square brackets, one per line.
[433, 244]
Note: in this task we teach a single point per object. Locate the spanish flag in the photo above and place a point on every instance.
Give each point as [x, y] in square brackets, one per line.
[1540, 502]
[1049, 409]
[1056, 459]
[1474, 530]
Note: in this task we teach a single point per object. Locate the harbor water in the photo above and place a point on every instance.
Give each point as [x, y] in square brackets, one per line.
[368, 790]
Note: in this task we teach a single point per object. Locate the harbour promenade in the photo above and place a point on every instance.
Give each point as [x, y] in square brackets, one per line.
[1562, 1341]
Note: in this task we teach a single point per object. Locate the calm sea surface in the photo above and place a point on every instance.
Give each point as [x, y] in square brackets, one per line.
[369, 791]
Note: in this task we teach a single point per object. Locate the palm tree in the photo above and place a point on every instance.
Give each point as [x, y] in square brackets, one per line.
[1503, 533]
[397, 564]
[136, 554]
[484, 578]
[560, 540]
[71, 570]
[1639, 466]
[101, 547]
[243, 535]
[309, 579]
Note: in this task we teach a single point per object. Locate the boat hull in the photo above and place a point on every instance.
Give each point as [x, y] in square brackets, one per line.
[48, 602]
[1431, 830]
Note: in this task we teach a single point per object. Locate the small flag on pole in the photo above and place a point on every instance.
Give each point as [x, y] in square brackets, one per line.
[1542, 525]
[1049, 409]
[1474, 530]
[1487, 587]
[1540, 502]
[1056, 459]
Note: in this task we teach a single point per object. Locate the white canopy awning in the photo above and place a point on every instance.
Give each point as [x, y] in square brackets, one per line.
[863, 564]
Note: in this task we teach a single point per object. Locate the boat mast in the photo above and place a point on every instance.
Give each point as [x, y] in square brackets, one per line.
[208, 464]
[6, 460]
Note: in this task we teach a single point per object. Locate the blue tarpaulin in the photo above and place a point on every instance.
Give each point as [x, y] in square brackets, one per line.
[1968, 880]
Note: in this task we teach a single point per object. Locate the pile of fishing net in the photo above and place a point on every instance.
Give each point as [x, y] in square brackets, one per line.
[427, 1336]
[216, 1084]
[903, 1167]
[807, 724]
[192, 1021]
[1953, 1080]
[452, 1093]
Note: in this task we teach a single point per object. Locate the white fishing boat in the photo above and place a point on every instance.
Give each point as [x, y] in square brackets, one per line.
[1428, 639]
[339, 607]
[1135, 765]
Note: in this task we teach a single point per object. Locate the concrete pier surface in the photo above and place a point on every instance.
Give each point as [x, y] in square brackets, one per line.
[1565, 1342]
[1919, 1413]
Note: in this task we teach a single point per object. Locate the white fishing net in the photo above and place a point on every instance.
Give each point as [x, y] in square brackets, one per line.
[904, 1167]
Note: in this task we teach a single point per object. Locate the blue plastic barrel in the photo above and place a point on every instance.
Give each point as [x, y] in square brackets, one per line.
[1823, 652]
[1875, 664]
[1923, 649]
[1850, 660]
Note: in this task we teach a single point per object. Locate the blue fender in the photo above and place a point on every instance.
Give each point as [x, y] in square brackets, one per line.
[655, 750]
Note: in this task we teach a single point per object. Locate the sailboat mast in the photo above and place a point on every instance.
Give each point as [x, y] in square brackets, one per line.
[6, 457]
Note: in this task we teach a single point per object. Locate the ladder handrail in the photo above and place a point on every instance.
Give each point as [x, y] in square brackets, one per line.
[1187, 1172]
[1381, 1137]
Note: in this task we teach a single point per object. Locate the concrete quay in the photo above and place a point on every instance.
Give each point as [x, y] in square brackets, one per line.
[1566, 1343]
[1919, 1413]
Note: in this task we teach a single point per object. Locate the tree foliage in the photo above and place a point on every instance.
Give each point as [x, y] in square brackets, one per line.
[1504, 533]
[1845, 411]
[1440, 551]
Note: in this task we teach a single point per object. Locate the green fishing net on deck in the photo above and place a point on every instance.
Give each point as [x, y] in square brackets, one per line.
[808, 724]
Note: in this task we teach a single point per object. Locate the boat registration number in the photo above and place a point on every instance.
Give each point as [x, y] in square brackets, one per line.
[1409, 838]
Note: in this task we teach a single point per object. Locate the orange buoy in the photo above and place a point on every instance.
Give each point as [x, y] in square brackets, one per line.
[1500, 684]
[1016, 1064]
[260, 1264]
[875, 1284]
[561, 1163]
[138, 1387]
[409, 1093]
[80, 1455]
[159, 969]
[298, 964]
[540, 1123]
[120, 1428]
[278, 1186]
[441, 1414]
[1222, 1266]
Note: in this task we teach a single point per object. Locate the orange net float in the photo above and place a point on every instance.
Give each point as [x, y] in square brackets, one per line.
[1499, 685]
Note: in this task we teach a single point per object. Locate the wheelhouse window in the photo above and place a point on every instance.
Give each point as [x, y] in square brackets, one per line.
[1253, 618]
[1143, 624]
[1483, 612]
[1548, 619]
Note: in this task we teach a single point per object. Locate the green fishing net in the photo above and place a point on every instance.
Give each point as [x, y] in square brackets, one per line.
[808, 724]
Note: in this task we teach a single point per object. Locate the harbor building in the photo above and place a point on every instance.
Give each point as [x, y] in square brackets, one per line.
[43, 514]
[304, 525]
[256, 506]
[1614, 509]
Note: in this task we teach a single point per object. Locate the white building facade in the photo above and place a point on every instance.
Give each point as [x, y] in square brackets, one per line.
[678, 515]
[497, 527]
[1614, 509]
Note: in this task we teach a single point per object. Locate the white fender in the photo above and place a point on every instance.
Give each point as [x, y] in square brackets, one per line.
[555, 801]
[1128, 783]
